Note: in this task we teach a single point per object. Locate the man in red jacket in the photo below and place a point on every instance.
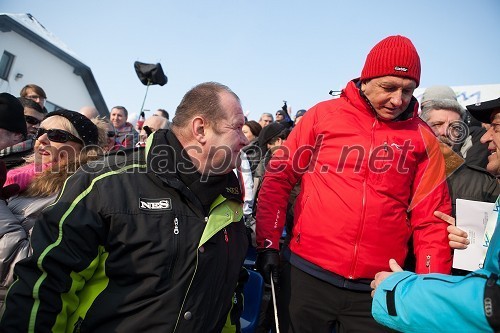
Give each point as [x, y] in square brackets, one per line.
[371, 176]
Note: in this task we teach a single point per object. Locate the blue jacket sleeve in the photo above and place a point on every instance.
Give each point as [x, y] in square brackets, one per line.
[409, 302]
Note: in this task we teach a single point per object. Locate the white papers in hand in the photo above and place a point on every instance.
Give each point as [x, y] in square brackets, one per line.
[472, 217]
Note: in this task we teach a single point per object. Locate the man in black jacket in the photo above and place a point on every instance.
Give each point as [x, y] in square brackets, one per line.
[143, 241]
[442, 112]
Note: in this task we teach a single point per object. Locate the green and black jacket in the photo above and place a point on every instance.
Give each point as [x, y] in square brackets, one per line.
[128, 247]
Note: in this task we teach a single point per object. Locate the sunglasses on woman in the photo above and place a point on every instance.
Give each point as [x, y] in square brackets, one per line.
[57, 135]
[32, 120]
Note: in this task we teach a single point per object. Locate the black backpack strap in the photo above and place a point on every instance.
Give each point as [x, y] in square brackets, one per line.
[492, 302]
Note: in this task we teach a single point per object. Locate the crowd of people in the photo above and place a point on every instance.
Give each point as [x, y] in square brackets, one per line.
[109, 226]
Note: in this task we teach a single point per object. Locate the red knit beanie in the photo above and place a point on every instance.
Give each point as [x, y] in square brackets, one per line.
[394, 55]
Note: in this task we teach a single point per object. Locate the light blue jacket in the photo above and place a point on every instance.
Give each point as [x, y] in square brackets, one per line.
[409, 302]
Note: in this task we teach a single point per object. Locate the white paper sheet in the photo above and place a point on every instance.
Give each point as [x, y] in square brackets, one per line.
[472, 217]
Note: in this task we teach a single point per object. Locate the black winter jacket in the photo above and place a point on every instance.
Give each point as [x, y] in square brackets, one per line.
[471, 182]
[127, 247]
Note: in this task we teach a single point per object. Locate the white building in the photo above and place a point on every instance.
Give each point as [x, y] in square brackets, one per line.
[29, 54]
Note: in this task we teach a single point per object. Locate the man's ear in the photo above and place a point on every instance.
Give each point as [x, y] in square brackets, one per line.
[199, 127]
[363, 86]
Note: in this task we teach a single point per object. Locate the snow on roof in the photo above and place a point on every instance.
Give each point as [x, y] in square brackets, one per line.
[31, 23]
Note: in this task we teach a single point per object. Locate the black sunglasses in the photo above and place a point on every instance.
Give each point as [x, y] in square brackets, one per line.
[32, 120]
[111, 134]
[57, 135]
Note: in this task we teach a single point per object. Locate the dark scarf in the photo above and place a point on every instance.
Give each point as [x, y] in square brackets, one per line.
[177, 164]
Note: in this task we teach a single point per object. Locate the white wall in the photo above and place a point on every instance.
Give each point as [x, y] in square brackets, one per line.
[38, 66]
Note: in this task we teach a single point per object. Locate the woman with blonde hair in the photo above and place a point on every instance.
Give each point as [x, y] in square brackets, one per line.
[65, 140]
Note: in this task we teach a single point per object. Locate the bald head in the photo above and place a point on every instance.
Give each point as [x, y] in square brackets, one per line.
[89, 112]
[154, 123]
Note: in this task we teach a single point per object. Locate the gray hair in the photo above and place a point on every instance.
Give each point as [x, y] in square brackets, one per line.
[266, 114]
[441, 104]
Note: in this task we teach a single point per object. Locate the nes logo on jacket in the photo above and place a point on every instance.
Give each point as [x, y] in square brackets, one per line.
[155, 204]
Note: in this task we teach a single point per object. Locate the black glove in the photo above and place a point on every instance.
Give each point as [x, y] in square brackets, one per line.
[9, 190]
[268, 261]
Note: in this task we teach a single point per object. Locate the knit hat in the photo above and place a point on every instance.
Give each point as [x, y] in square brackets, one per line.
[269, 132]
[441, 97]
[86, 129]
[438, 92]
[281, 112]
[394, 55]
[300, 113]
[286, 121]
[12, 114]
[484, 110]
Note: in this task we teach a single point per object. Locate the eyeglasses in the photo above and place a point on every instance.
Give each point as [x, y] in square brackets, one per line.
[35, 97]
[57, 135]
[111, 134]
[32, 120]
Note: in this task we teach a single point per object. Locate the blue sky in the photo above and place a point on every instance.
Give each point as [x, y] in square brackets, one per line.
[267, 51]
